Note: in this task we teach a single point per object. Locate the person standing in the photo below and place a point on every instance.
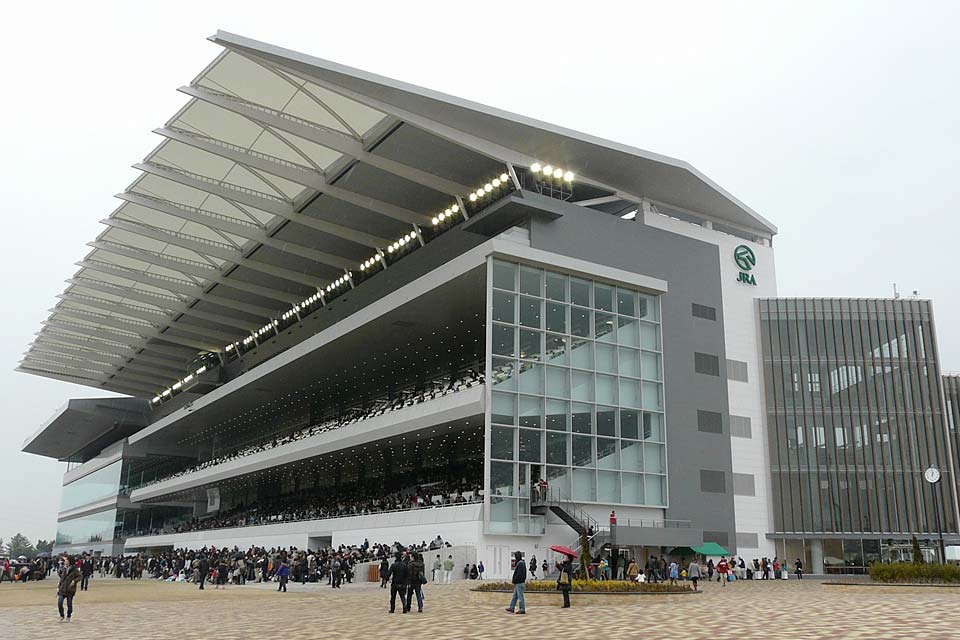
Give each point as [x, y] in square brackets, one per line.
[710, 569]
[693, 572]
[437, 568]
[384, 573]
[67, 587]
[722, 569]
[203, 568]
[798, 568]
[86, 570]
[565, 581]
[674, 572]
[633, 570]
[448, 570]
[480, 568]
[533, 567]
[336, 571]
[415, 581]
[284, 574]
[519, 581]
[398, 581]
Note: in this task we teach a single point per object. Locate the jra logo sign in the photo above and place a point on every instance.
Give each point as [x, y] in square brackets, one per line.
[746, 260]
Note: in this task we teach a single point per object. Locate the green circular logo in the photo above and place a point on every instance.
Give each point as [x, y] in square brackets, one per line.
[744, 257]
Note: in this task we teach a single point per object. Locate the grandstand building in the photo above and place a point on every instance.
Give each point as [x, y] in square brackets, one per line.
[335, 306]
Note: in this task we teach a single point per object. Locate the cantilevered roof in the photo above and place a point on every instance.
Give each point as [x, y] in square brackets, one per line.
[83, 426]
[279, 175]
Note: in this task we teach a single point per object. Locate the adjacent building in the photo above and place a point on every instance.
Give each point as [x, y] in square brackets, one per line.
[332, 297]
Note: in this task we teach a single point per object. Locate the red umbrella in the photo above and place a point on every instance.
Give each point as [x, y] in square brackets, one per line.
[567, 551]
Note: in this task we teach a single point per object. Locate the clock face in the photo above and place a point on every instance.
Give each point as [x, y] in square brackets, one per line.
[932, 475]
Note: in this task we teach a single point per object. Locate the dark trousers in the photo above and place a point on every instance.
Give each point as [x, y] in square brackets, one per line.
[84, 583]
[203, 578]
[283, 584]
[383, 581]
[336, 579]
[69, 599]
[414, 589]
[394, 590]
[566, 598]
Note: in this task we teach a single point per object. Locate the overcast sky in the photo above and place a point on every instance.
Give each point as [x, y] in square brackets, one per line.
[838, 123]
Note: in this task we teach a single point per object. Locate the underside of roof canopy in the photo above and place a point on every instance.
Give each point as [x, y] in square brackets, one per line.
[279, 174]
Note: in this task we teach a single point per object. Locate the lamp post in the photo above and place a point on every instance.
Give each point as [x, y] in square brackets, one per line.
[932, 476]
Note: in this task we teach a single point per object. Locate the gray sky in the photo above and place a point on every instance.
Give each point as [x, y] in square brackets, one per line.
[836, 121]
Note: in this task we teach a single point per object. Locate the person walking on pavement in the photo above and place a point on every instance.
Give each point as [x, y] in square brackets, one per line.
[86, 570]
[693, 572]
[437, 569]
[565, 581]
[722, 569]
[284, 574]
[798, 567]
[398, 582]
[448, 570]
[384, 573]
[519, 583]
[67, 587]
[415, 581]
[203, 568]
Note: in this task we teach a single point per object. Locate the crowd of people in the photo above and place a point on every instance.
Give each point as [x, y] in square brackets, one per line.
[371, 408]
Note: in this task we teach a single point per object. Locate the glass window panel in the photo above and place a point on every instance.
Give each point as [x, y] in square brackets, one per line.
[505, 275]
[556, 317]
[650, 365]
[531, 412]
[581, 322]
[580, 291]
[649, 307]
[603, 297]
[629, 393]
[503, 409]
[582, 418]
[531, 449]
[629, 362]
[653, 458]
[501, 478]
[607, 421]
[608, 486]
[585, 485]
[581, 353]
[558, 382]
[582, 385]
[628, 331]
[558, 479]
[503, 513]
[501, 442]
[530, 347]
[531, 281]
[605, 326]
[555, 349]
[556, 286]
[632, 484]
[606, 358]
[649, 336]
[557, 444]
[504, 307]
[606, 389]
[653, 427]
[558, 415]
[505, 374]
[651, 396]
[530, 311]
[629, 424]
[626, 302]
[654, 489]
[608, 453]
[631, 455]
[531, 378]
[504, 340]
[582, 451]
[103, 483]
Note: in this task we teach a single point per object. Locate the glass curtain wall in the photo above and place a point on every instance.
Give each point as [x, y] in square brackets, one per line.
[577, 392]
[854, 416]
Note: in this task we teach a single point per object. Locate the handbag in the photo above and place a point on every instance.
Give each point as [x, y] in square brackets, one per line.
[423, 579]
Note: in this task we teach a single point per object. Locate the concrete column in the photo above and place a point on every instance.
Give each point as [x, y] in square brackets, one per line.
[816, 555]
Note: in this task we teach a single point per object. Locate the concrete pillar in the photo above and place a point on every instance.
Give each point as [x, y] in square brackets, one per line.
[816, 555]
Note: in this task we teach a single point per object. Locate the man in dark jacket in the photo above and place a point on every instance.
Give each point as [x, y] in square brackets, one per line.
[203, 570]
[519, 584]
[67, 588]
[384, 573]
[399, 574]
[86, 570]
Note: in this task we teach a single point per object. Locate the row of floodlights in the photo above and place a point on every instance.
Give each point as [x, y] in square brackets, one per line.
[332, 289]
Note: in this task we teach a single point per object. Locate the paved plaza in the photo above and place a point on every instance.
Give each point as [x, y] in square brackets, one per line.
[148, 609]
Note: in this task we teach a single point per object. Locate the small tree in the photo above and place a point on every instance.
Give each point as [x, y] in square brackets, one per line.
[44, 546]
[20, 546]
[585, 558]
[917, 554]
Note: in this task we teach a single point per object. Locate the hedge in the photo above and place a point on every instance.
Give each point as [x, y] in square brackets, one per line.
[911, 572]
[590, 586]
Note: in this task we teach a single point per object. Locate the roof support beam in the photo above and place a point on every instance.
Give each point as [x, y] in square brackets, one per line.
[110, 336]
[196, 270]
[145, 381]
[65, 348]
[293, 172]
[325, 137]
[105, 367]
[217, 250]
[145, 333]
[130, 389]
[49, 335]
[249, 232]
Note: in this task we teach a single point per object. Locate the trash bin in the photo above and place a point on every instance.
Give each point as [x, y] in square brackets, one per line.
[373, 573]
